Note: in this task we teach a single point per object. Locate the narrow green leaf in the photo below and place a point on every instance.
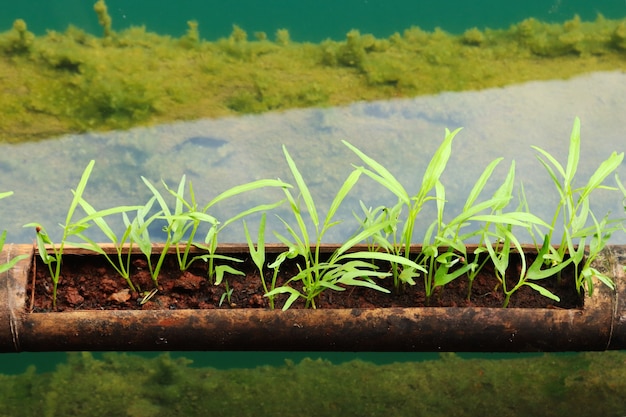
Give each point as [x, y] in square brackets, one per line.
[437, 164]
[480, 183]
[159, 198]
[440, 193]
[516, 218]
[304, 190]
[340, 196]
[384, 177]
[260, 208]
[544, 292]
[443, 277]
[605, 169]
[504, 193]
[79, 191]
[553, 161]
[220, 270]
[574, 153]
[257, 253]
[243, 188]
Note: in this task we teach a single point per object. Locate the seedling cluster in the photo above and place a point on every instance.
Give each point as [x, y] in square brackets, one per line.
[388, 231]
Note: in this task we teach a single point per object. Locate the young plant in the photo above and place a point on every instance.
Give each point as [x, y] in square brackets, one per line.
[11, 262]
[574, 210]
[442, 267]
[121, 261]
[139, 232]
[450, 234]
[600, 233]
[228, 293]
[342, 268]
[499, 253]
[400, 245]
[53, 261]
[505, 241]
[258, 256]
[184, 222]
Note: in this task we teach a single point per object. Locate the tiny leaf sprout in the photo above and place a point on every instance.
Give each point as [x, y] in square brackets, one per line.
[258, 257]
[12, 261]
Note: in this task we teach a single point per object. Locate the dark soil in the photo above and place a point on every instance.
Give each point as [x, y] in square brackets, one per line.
[90, 283]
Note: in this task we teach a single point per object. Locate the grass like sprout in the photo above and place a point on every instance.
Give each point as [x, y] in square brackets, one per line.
[438, 266]
[342, 269]
[76, 228]
[257, 253]
[183, 223]
[10, 262]
[53, 260]
[121, 260]
[500, 243]
[575, 213]
[399, 245]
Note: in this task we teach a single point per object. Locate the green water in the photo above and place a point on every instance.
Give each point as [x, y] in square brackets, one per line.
[306, 20]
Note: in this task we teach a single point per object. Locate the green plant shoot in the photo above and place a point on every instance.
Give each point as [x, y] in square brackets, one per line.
[574, 208]
[10, 262]
[53, 260]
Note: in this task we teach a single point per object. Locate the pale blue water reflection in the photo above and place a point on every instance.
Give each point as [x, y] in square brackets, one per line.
[400, 134]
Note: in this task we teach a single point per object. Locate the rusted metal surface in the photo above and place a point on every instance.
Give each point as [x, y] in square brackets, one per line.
[600, 325]
[413, 329]
[13, 296]
[614, 263]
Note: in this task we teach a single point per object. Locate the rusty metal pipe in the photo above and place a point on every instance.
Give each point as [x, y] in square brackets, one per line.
[600, 325]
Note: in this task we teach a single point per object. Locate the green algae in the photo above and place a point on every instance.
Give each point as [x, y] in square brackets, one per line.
[73, 81]
[586, 384]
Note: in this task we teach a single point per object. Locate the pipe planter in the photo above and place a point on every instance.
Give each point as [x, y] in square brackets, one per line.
[599, 325]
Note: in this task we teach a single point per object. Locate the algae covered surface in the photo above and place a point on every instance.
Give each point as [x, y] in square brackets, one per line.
[586, 384]
[73, 81]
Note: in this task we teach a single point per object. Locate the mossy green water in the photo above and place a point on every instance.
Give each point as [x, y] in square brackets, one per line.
[72, 81]
[587, 384]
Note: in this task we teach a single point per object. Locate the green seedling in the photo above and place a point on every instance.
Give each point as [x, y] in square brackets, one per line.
[10, 262]
[257, 253]
[53, 261]
[147, 296]
[449, 234]
[226, 296]
[183, 223]
[342, 269]
[500, 242]
[500, 253]
[384, 221]
[414, 204]
[574, 210]
[378, 215]
[139, 233]
[443, 267]
[599, 234]
[121, 261]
